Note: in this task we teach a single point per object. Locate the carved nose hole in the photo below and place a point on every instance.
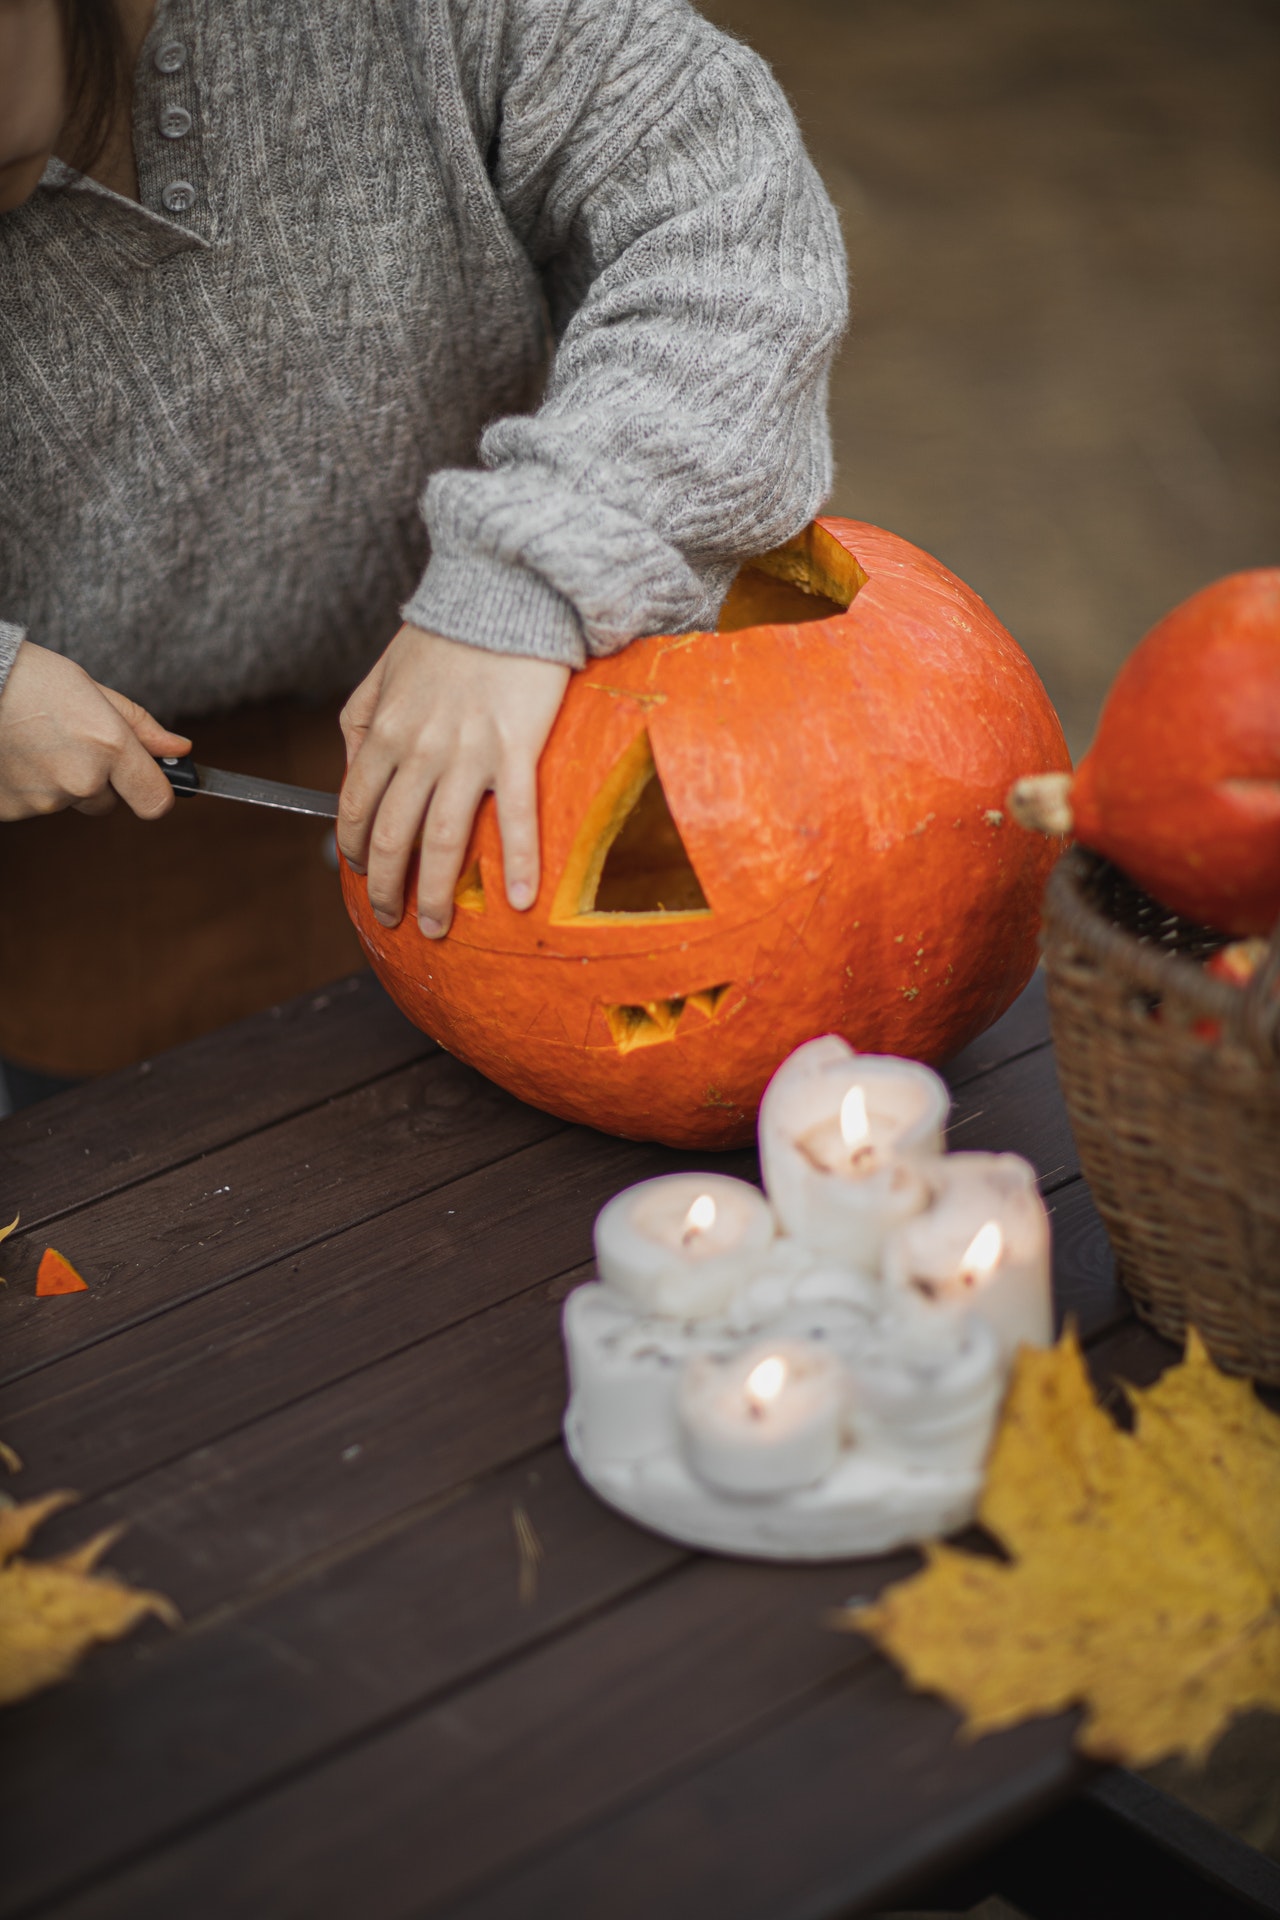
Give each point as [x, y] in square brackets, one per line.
[629, 859]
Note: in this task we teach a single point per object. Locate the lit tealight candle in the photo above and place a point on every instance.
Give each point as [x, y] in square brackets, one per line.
[765, 1421]
[680, 1245]
[982, 1246]
[842, 1135]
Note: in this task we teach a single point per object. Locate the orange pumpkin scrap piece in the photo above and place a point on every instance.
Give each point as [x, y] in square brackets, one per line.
[57, 1275]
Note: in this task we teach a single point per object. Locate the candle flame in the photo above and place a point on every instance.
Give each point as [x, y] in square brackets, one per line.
[855, 1128]
[765, 1382]
[700, 1218]
[983, 1253]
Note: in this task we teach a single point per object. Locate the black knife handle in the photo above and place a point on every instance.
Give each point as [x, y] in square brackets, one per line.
[180, 772]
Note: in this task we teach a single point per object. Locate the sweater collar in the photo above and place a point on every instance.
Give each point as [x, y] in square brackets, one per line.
[146, 236]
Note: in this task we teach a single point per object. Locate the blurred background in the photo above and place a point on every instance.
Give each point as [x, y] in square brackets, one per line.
[1063, 223]
[1063, 374]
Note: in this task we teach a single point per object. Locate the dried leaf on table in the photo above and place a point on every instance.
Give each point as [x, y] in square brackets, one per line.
[529, 1556]
[18, 1523]
[4, 1235]
[53, 1611]
[1143, 1580]
[57, 1275]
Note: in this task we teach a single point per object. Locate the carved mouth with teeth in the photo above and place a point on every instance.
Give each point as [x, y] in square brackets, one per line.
[658, 1020]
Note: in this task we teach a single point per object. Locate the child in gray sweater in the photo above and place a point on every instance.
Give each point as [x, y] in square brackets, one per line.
[446, 343]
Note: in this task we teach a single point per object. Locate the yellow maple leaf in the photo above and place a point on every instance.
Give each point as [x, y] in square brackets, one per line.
[52, 1611]
[4, 1235]
[1143, 1579]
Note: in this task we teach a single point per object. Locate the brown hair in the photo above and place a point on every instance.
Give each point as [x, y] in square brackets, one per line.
[96, 76]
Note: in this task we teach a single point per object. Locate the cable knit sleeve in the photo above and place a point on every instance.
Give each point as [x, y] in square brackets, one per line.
[653, 171]
[11, 638]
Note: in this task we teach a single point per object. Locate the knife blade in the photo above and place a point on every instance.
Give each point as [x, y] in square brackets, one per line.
[185, 777]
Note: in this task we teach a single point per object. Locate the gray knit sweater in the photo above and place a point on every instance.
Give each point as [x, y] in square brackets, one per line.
[553, 277]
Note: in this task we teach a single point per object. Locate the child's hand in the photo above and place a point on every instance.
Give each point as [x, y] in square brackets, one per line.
[65, 741]
[432, 729]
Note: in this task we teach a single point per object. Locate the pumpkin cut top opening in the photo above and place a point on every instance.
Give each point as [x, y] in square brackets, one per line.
[758, 599]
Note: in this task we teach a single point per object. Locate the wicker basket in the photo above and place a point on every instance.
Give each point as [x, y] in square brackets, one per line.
[1178, 1133]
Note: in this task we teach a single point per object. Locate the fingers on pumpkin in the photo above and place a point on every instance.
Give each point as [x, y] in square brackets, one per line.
[444, 842]
[364, 794]
[396, 826]
[517, 797]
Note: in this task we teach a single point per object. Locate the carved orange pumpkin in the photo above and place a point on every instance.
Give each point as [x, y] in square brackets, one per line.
[791, 826]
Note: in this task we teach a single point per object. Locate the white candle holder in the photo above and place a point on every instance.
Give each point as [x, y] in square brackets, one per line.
[830, 1390]
[650, 1421]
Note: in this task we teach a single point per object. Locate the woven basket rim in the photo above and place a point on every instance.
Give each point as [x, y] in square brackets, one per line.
[1249, 1016]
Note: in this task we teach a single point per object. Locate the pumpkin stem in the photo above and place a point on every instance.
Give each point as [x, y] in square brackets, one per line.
[1041, 802]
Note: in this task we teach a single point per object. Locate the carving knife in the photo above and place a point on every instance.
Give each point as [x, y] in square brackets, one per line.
[185, 777]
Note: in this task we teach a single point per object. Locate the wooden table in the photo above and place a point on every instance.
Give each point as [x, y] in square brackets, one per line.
[318, 1379]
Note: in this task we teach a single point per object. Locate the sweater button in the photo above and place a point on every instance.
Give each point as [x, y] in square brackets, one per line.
[171, 57]
[174, 122]
[179, 196]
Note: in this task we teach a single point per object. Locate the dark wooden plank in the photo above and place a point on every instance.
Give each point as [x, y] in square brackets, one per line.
[474, 1781]
[116, 1131]
[113, 1132]
[295, 1325]
[281, 1333]
[412, 1613]
[335, 1301]
[191, 1535]
[1152, 1823]
[372, 1332]
[172, 1239]
[1023, 1028]
[1018, 1108]
[356, 1316]
[1085, 1288]
[710, 1720]
[163, 1246]
[860, 1798]
[235, 1514]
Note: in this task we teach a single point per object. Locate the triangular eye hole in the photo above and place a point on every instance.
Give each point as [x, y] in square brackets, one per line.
[628, 860]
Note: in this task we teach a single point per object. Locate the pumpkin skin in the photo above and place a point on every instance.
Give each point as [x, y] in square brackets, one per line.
[1181, 788]
[837, 783]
